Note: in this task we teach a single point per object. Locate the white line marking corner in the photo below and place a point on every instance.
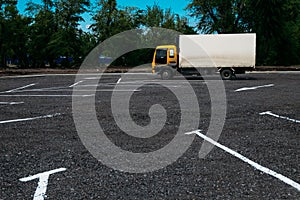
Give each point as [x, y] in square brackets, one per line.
[279, 116]
[250, 162]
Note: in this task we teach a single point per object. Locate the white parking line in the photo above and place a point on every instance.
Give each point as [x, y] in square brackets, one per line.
[119, 80]
[19, 88]
[112, 74]
[253, 88]
[11, 103]
[99, 90]
[95, 85]
[278, 116]
[69, 95]
[273, 72]
[47, 95]
[23, 76]
[42, 89]
[148, 85]
[41, 189]
[29, 119]
[76, 83]
[126, 82]
[91, 78]
[250, 162]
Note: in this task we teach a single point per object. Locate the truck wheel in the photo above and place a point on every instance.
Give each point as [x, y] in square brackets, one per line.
[166, 74]
[227, 74]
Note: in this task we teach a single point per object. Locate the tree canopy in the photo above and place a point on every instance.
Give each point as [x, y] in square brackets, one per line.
[49, 33]
[275, 22]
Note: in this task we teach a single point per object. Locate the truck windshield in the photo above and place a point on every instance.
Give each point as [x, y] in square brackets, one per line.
[161, 56]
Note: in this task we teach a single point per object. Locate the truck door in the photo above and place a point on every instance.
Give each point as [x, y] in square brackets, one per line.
[161, 56]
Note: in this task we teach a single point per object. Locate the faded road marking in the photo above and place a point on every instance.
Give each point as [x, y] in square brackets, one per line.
[119, 80]
[20, 88]
[253, 88]
[41, 189]
[29, 119]
[11, 103]
[23, 76]
[46, 95]
[76, 83]
[250, 162]
[278, 116]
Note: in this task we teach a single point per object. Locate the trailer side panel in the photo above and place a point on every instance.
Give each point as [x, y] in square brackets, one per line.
[223, 50]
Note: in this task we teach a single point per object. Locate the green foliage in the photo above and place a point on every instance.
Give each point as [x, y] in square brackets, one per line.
[55, 31]
[51, 29]
[157, 17]
[221, 16]
[41, 33]
[14, 34]
[65, 42]
[275, 22]
[134, 58]
[109, 20]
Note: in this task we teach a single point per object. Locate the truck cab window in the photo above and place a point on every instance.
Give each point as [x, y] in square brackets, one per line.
[171, 53]
[161, 56]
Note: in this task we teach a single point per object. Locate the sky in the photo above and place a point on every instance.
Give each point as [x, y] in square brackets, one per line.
[177, 6]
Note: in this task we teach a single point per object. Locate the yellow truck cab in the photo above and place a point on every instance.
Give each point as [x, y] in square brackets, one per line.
[165, 55]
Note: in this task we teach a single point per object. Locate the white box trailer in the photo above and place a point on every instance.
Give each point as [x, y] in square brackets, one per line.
[229, 53]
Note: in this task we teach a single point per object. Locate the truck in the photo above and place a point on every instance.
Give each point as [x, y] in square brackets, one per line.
[228, 54]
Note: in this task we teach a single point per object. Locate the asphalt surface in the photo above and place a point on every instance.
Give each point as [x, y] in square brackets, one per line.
[48, 138]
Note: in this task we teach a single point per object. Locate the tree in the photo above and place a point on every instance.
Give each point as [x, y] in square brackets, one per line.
[182, 25]
[43, 28]
[275, 22]
[221, 16]
[18, 29]
[2, 36]
[153, 16]
[104, 19]
[109, 20]
[157, 17]
[55, 31]
[65, 42]
[14, 34]
[87, 42]
[293, 32]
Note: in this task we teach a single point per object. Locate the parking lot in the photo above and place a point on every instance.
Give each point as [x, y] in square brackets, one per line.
[39, 134]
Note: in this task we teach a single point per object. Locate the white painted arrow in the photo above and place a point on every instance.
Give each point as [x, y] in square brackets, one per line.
[41, 189]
